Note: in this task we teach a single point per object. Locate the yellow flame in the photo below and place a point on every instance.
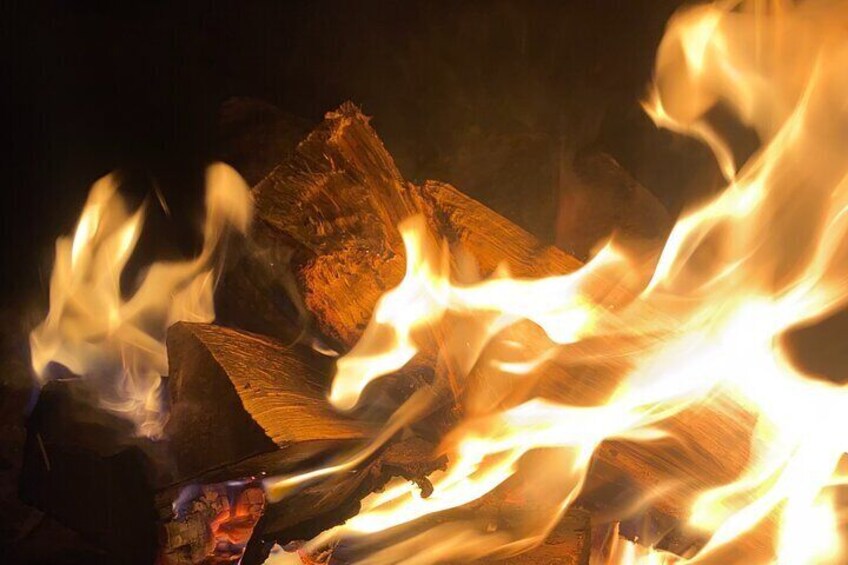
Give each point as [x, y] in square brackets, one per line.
[768, 254]
[114, 342]
[620, 551]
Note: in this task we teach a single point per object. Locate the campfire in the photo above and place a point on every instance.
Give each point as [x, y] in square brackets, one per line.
[357, 368]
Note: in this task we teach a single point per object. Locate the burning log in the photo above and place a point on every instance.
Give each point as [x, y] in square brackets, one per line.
[237, 395]
[488, 237]
[245, 406]
[569, 543]
[334, 205]
[323, 505]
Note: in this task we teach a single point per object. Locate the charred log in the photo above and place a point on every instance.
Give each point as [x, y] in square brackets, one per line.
[335, 204]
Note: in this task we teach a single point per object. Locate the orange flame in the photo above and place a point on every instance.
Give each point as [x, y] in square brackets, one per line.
[620, 551]
[766, 255]
[118, 344]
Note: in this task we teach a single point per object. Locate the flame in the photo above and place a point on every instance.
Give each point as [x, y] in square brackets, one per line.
[118, 343]
[620, 551]
[766, 255]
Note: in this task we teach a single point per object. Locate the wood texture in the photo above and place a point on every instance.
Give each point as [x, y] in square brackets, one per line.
[236, 395]
[335, 204]
[487, 236]
[599, 198]
[569, 543]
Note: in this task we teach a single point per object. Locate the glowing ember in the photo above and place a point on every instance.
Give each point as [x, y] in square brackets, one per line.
[118, 343]
[766, 255]
[212, 523]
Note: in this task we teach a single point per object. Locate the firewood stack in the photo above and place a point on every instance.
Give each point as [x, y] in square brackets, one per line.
[330, 211]
[324, 248]
[248, 394]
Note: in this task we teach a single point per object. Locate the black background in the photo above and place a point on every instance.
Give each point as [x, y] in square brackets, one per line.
[91, 87]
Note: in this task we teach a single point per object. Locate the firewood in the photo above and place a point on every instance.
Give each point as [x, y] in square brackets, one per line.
[335, 204]
[488, 237]
[569, 543]
[598, 197]
[235, 395]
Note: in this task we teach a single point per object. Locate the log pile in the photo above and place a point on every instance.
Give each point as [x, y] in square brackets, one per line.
[324, 248]
[248, 395]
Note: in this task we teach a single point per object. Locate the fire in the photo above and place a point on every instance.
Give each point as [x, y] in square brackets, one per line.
[620, 551]
[118, 343]
[704, 321]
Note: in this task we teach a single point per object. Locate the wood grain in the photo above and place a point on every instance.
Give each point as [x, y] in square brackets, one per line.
[335, 205]
[236, 395]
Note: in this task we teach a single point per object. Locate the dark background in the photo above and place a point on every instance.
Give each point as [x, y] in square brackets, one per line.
[466, 92]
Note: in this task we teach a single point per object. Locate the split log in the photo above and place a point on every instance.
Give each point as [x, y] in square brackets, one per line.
[598, 197]
[245, 406]
[263, 391]
[335, 205]
[237, 395]
[472, 228]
